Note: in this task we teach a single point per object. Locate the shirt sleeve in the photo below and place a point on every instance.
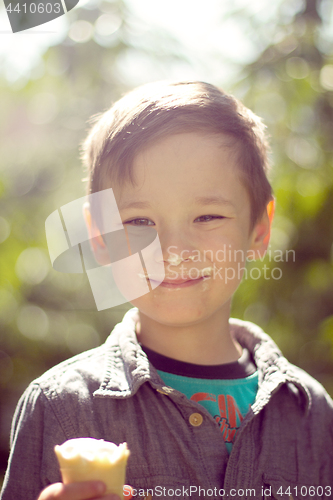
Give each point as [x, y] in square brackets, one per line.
[32, 463]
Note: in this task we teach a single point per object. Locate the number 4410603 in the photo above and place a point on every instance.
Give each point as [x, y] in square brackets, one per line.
[33, 8]
[306, 491]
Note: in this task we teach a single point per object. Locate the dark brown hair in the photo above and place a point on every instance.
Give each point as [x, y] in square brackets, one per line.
[157, 110]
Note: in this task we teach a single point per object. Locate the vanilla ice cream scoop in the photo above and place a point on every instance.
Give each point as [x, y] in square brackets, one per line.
[85, 459]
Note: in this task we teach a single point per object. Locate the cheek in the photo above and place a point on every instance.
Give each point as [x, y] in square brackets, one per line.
[227, 256]
[129, 277]
[229, 248]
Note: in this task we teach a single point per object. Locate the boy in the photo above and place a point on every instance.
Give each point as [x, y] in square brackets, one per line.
[209, 407]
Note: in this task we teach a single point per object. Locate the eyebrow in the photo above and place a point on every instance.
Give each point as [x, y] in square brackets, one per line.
[200, 200]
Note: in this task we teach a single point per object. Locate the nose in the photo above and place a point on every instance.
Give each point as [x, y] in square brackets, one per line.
[177, 246]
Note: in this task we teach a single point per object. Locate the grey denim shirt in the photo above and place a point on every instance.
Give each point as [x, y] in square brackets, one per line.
[283, 448]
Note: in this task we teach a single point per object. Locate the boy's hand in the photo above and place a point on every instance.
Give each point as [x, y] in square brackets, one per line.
[88, 490]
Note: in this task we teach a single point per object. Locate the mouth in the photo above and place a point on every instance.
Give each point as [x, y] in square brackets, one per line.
[203, 274]
[177, 283]
[184, 283]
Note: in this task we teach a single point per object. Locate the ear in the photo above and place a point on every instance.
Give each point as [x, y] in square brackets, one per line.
[96, 241]
[262, 231]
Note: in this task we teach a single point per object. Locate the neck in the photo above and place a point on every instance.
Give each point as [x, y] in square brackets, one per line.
[207, 342]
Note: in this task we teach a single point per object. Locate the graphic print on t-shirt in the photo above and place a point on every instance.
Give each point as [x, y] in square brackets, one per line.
[226, 391]
[230, 416]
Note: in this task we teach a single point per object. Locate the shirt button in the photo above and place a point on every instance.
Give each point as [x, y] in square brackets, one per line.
[196, 419]
[165, 390]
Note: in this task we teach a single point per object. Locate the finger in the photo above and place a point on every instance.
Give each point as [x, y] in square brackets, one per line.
[73, 491]
[128, 494]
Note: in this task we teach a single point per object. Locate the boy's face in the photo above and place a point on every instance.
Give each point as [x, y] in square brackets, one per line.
[178, 178]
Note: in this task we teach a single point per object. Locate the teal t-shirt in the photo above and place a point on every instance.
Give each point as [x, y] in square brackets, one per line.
[228, 401]
[226, 391]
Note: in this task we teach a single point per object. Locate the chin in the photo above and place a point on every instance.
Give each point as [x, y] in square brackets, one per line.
[174, 314]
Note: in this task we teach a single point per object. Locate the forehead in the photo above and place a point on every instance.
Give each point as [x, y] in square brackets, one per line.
[191, 161]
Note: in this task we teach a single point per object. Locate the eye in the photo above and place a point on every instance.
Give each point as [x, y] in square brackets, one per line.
[208, 218]
[139, 222]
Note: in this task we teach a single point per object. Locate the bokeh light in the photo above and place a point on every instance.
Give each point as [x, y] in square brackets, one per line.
[33, 322]
[32, 266]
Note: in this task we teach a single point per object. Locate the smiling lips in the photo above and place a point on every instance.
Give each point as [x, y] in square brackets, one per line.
[180, 282]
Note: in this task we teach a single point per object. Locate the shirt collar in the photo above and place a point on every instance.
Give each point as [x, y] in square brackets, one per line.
[273, 368]
[127, 366]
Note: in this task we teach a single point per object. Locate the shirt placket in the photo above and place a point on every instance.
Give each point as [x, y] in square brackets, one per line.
[207, 435]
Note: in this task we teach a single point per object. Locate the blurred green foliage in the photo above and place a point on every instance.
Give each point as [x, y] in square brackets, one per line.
[291, 86]
[44, 119]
